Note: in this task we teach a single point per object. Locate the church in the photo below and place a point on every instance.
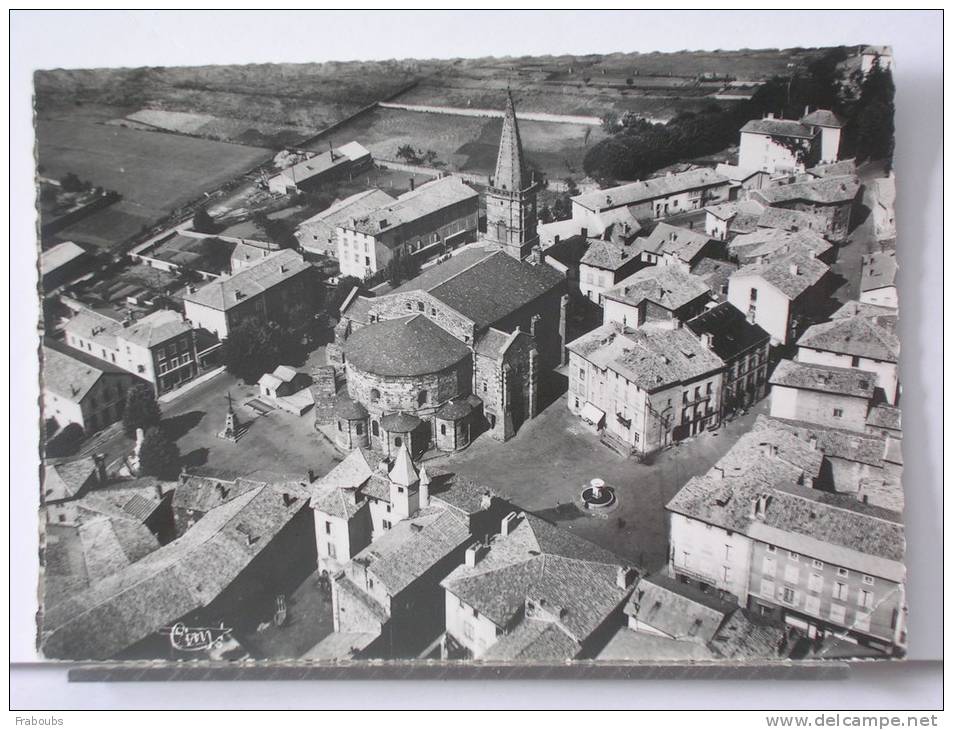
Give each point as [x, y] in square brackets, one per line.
[459, 349]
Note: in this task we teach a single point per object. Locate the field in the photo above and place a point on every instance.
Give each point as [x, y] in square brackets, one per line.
[154, 172]
[470, 144]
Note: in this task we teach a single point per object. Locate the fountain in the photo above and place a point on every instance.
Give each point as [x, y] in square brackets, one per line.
[597, 496]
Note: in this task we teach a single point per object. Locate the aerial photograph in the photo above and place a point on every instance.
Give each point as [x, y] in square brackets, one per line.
[502, 360]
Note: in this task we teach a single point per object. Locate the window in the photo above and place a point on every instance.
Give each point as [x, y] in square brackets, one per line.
[433, 311]
[727, 552]
[386, 524]
[768, 566]
[838, 413]
[408, 306]
[793, 556]
[727, 574]
[332, 551]
[865, 599]
[327, 528]
[443, 429]
[791, 573]
[754, 294]
[789, 595]
[818, 564]
[843, 572]
[468, 630]
[855, 362]
[815, 583]
[484, 386]
[868, 580]
[698, 392]
[840, 591]
[767, 588]
[422, 398]
[708, 388]
[685, 556]
[771, 548]
[838, 613]
[375, 428]
[420, 306]
[360, 429]
[582, 373]
[400, 490]
[375, 395]
[398, 441]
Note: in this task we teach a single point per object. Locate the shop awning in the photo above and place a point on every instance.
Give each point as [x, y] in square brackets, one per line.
[592, 414]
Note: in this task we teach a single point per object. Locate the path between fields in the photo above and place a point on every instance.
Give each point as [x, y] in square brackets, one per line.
[466, 112]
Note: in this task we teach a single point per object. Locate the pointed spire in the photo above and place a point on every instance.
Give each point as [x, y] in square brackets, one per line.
[509, 163]
[403, 472]
[424, 476]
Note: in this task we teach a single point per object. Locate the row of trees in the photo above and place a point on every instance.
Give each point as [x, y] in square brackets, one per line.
[640, 147]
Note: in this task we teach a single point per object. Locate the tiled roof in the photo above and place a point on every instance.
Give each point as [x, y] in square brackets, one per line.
[732, 333]
[94, 326]
[823, 118]
[454, 410]
[825, 191]
[59, 255]
[608, 255]
[325, 223]
[859, 336]
[65, 479]
[323, 162]
[343, 503]
[202, 493]
[668, 286]
[643, 190]
[792, 273]
[400, 422]
[715, 273]
[778, 128]
[110, 545]
[787, 219]
[170, 582]
[412, 547]
[564, 575]
[854, 308]
[676, 609]
[879, 271]
[831, 169]
[651, 358]
[838, 443]
[824, 378]
[155, 328]
[884, 416]
[773, 242]
[569, 251]
[71, 374]
[413, 205]
[492, 342]
[745, 636]
[743, 215]
[404, 347]
[680, 242]
[534, 640]
[230, 291]
[351, 473]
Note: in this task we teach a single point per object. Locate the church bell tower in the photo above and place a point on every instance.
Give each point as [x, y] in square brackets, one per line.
[511, 197]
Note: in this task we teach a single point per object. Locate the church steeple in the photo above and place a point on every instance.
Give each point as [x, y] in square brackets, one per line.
[511, 197]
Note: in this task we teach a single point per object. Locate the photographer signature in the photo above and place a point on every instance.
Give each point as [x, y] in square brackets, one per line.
[197, 638]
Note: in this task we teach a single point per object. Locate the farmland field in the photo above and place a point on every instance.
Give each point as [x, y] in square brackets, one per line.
[154, 172]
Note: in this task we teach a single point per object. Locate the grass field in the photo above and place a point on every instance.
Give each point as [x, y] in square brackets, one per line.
[154, 172]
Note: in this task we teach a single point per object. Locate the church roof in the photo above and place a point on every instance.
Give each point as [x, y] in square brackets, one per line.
[403, 472]
[510, 172]
[404, 347]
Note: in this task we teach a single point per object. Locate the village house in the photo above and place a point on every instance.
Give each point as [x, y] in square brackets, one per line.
[878, 279]
[669, 245]
[565, 257]
[246, 254]
[767, 243]
[80, 389]
[780, 293]
[255, 544]
[657, 296]
[652, 199]
[780, 146]
[66, 480]
[318, 234]
[821, 394]
[533, 592]
[604, 264]
[158, 348]
[742, 179]
[276, 288]
[315, 170]
[862, 337]
[753, 528]
[429, 220]
[644, 388]
[744, 348]
[715, 273]
[786, 219]
[461, 346]
[725, 221]
[832, 198]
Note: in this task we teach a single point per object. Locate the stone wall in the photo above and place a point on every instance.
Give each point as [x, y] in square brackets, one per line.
[406, 304]
[401, 394]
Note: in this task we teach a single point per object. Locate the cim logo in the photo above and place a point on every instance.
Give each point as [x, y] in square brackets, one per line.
[185, 638]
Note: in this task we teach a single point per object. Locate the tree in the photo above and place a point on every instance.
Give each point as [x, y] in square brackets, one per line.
[203, 222]
[279, 231]
[546, 214]
[254, 348]
[141, 409]
[343, 288]
[71, 183]
[870, 130]
[159, 456]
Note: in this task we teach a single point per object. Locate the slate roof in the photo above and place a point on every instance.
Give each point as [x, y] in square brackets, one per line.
[71, 374]
[787, 219]
[858, 336]
[744, 636]
[825, 191]
[570, 578]
[66, 479]
[823, 118]
[644, 190]
[351, 473]
[404, 347]
[676, 609]
[830, 169]
[534, 640]
[651, 358]
[492, 342]
[854, 308]
[879, 271]
[230, 291]
[838, 443]
[715, 273]
[110, 545]
[732, 333]
[413, 546]
[824, 378]
[668, 286]
[172, 581]
[683, 243]
[424, 200]
[608, 255]
[884, 416]
[779, 128]
[774, 242]
[203, 493]
[791, 273]
[454, 410]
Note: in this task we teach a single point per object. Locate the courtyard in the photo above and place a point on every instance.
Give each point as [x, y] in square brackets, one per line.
[549, 461]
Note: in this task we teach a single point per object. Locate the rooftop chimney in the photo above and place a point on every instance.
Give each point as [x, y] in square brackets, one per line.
[718, 472]
[794, 269]
[100, 461]
[473, 554]
[508, 524]
[813, 442]
[623, 577]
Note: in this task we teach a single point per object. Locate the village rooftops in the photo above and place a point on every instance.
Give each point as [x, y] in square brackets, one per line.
[563, 577]
[155, 328]
[791, 273]
[680, 611]
[412, 205]
[94, 326]
[608, 255]
[354, 206]
[404, 347]
[745, 636]
[833, 169]
[233, 290]
[323, 162]
[653, 359]
[823, 118]
[879, 271]
[731, 332]
[779, 128]
[742, 215]
[824, 379]
[766, 243]
[715, 273]
[823, 191]
[71, 374]
[485, 285]
[886, 417]
[683, 243]
[66, 479]
[645, 190]
[668, 286]
[835, 443]
[870, 337]
[788, 219]
[173, 581]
